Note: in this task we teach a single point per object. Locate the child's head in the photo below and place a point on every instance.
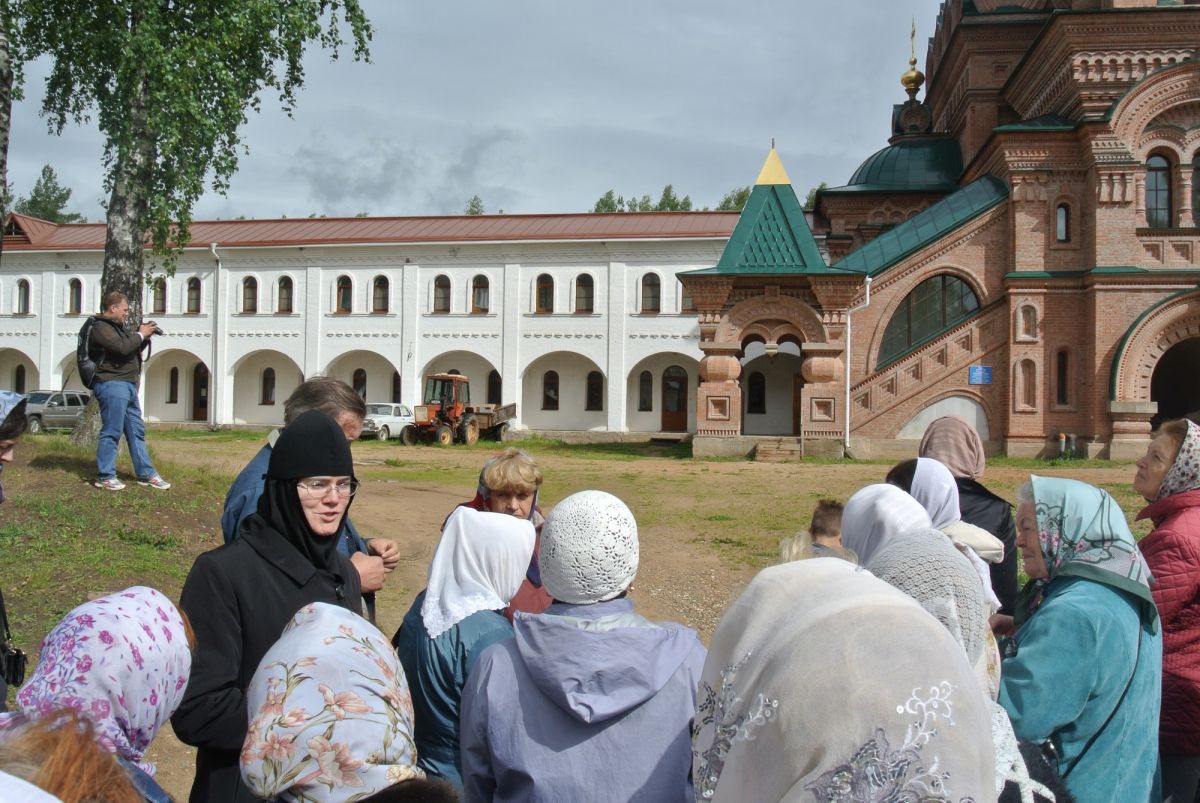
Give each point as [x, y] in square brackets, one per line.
[826, 520]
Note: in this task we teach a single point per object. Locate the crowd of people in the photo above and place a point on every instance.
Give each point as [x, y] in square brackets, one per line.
[891, 656]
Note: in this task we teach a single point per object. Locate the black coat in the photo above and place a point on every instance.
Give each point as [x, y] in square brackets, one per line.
[984, 509]
[239, 597]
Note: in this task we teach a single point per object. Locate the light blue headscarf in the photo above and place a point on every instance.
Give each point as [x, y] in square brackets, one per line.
[10, 400]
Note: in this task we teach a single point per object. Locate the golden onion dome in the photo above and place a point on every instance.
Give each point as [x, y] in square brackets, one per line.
[913, 79]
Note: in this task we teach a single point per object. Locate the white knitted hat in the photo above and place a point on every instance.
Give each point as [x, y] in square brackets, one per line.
[589, 548]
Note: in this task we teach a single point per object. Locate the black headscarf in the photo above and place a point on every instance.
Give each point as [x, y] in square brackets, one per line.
[311, 446]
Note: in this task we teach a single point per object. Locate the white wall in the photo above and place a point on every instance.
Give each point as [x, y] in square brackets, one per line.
[247, 388]
[9, 360]
[651, 421]
[379, 373]
[156, 384]
[779, 372]
[572, 388]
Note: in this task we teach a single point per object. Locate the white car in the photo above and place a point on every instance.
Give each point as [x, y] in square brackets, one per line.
[386, 421]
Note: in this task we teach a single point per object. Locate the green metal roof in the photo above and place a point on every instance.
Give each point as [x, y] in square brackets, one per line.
[926, 226]
[929, 164]
[771, 237]
[1047, 122]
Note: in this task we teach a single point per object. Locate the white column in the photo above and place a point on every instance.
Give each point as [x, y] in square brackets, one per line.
[314, 320]
[616, 311]
[412, 304]
[511, 309]
[220, 377]
[47, 306]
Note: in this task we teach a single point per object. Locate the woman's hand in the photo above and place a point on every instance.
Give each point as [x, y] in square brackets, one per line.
[1002, 624]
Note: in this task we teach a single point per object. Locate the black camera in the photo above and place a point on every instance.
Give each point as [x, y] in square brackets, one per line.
[157, 329]
[12, 664]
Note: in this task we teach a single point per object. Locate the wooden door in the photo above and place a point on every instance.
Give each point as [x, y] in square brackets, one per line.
[200, 392]
[674, 399]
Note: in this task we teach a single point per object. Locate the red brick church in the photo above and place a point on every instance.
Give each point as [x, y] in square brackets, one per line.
[1024, 252]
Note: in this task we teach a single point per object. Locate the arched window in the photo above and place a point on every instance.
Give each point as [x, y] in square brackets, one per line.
[268, 387]
[651, 294]
[544, 295]
[1062, 378]
[193, 296]
[1027, 323]
[173, 386]
[935, 305]
[495, 386]
[379, 295]
[158, 296]
[550, 390]
[480, 292]
[395, 387]
[284, 303]
[249, 295]
[645, 392]
[1158, 192]
[594, 398]
[1025, 395]
[1062, 223]
[22, 297]
[19, 379]
[585, 301]
[74, 297]
[360, 383]
[441, 295]
[344, 300]
[756, 394]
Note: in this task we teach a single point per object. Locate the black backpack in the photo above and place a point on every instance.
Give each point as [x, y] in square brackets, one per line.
[83, 357]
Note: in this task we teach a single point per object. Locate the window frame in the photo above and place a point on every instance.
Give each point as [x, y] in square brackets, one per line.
[289, 307]
[646, 392]
[195, 296]
[651, 292]
[380, 301]
[441, 295]
[24, 297]
[481, 289]
[1062, 223]
[919, 294]
[249, 296]
[266, 397]
[550, 394]
[543, 291]
[343, 295]
[590, 295]
[1159, 215]
[158, 296]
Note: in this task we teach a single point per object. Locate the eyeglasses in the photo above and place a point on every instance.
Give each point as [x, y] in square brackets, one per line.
[319, 488]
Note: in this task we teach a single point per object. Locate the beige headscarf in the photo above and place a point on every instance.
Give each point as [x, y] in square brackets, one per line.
[955, 443]
[825, 681]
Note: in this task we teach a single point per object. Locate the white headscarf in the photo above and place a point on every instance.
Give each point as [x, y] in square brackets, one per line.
[478, 566]
[934, 487]
[875, 514]
[824, 681]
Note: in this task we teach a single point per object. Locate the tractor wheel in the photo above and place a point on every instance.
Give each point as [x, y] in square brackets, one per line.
[35, 425]
[408, 436]
[444, 435]
[384, 434]
[468, 431]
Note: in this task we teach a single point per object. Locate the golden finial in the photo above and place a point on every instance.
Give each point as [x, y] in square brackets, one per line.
[912, 78]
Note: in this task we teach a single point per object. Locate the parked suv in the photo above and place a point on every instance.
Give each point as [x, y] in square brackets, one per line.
[55, 409]
[388, 421]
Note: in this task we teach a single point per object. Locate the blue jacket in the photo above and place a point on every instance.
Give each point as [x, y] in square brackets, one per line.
[242, 501]
[437, 669]
[1074, 657]
[587, 702]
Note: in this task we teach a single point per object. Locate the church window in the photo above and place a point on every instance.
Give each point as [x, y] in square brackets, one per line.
[550, 390]
[1062, 223]
[651, 294]
[379, 295]
[285, 296]
[249, 295]
[1158, 192]
[645, 392]
[441, 294]
[268, 387]
[344, 298]
[480, 294]
[544, 296]
[22, 297]
[193, 296]
[1062, 378]
[934, 306]
[74, 297]
[584, 294]
[158, 296]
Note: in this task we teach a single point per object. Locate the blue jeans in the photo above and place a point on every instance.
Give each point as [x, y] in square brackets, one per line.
[120, 412]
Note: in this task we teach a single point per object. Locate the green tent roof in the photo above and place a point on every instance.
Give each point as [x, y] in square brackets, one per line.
[771, 237]
[923, 164]
[1047, 122]
[926, 226]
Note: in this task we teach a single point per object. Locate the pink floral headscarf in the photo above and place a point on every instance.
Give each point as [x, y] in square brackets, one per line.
[121, 661]
[1184, 473]
[331, 718]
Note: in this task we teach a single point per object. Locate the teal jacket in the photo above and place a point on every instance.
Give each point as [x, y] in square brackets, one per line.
[1073, 659]
[436, 670]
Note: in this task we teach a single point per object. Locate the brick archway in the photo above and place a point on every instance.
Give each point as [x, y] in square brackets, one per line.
[1174, 320]
[1171, 87]
[773, 317]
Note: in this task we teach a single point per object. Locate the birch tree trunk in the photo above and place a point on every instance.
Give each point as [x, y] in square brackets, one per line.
[6, 84]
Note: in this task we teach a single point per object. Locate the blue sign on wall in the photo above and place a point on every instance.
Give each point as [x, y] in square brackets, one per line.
[979, 375]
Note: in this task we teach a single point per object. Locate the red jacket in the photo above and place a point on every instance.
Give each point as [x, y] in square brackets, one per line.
[1173, 552]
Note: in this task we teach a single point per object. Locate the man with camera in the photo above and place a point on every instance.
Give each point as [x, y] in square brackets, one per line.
[118, 356]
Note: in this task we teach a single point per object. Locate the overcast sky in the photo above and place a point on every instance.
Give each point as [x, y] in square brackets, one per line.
[543, 105]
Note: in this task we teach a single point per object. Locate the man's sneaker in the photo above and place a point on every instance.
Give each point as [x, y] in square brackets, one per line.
[110, 484]
[156, 482]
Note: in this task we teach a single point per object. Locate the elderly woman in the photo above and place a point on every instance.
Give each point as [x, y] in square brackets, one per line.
[240, 596]
[333, 719]
[825, 683]
[478, 565]
[1083, 669]
[120, 663]
[956, 444]
[1168, 476]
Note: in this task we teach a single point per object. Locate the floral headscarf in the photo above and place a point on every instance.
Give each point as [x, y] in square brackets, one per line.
[331, 714]
[1184, 473]
[1083, 533]
[121, 661]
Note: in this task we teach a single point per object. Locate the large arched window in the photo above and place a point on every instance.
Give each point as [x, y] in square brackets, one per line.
[645, 392]
[756, 394]
[268, 387]
[585, 301]
[594, 397]
[379, 295]
[74, 297]
[158, 296]
[544, 294]
[22, 297]
[550, 390]
[360, 383]
[284, 303]
[480, 294]
[193, 296]
[651, 294]
[249, 295]
[1158, 192]
[173, 386]
[935, 305]
[344, 298]
[441, 294]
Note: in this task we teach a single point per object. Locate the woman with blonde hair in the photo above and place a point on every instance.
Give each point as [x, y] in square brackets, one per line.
[58, 759]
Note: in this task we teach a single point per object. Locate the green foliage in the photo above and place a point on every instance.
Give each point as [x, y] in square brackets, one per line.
[810, 200]
[474, 206]
[667, 202]
[735, 199]
[48, 200]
